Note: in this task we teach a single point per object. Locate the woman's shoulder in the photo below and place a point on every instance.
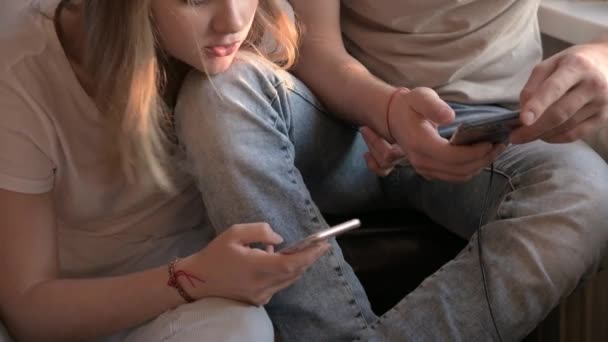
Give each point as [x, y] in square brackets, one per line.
[30, 72]
[27, 70]
[22, 34]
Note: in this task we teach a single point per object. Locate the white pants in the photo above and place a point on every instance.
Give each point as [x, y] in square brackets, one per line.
[210, 319]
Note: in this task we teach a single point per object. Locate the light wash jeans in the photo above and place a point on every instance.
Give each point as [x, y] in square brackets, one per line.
[264, 150]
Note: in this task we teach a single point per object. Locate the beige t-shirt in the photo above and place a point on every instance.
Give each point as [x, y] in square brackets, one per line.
[472, 51]
[52, 140]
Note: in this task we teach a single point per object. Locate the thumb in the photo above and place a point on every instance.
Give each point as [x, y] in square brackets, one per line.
[430, 106]
[256, 233]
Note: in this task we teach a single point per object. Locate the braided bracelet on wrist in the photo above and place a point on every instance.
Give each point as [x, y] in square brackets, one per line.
[174, 281]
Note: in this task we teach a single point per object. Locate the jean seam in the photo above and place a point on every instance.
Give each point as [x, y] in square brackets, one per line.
[509, 179]
[315, 218]
[293, 90]
[313, 213]
[271, 102]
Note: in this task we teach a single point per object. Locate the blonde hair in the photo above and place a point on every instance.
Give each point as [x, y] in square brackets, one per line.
[122, 57]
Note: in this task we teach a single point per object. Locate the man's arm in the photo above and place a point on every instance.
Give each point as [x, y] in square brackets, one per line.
[348, 89]
[343, 84]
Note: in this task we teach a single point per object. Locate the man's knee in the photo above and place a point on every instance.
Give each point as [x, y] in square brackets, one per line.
[559, 209]
[568, 172]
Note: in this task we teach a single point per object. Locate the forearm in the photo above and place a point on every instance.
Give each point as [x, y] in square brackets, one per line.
[82, 309]
[345, 86]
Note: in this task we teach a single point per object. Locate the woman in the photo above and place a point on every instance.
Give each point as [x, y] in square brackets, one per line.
[94, 212]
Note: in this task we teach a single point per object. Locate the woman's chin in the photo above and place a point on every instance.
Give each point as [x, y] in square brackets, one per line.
[217, 67]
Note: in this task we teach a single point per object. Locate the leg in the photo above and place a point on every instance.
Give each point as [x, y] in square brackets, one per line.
[256, 149]
[543, 232]
[210, 319]
[249, 174]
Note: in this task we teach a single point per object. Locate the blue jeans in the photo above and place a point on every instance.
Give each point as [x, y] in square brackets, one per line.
[262, 148]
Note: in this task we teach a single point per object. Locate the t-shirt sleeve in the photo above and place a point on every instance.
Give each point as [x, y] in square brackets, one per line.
[25, 165]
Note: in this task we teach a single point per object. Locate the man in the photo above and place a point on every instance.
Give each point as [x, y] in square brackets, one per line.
[542, 224]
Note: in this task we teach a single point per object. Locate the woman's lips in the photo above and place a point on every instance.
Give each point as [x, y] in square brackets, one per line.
[222, 50]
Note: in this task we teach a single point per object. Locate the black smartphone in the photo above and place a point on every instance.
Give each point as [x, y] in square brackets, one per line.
[493, 128]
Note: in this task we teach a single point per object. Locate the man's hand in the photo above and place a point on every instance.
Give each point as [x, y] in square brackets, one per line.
[566, 96]
[413, 120]
[382, 156]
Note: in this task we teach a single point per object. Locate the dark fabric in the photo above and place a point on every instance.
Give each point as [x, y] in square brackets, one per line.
[394, 251]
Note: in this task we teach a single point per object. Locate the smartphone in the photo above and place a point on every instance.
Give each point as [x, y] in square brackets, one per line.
[493, 128]
[323, 235]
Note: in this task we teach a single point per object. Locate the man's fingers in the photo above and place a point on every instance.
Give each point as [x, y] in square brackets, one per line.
[374, 167]
[438, 149]
[580, 130]
[432, 175]
[554, 87]
[461, 172]
[539, 74]
[384, 153]
[582, 115]
[429, 105]
[560, 116]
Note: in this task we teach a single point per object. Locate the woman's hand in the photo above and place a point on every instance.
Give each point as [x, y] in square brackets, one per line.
[566, 96]
[230, 268]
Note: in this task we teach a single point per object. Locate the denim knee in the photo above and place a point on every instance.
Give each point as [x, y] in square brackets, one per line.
[225, 113]
[559, 203]
[246, 91]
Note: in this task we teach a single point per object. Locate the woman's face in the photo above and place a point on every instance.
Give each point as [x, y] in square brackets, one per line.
[205, 34]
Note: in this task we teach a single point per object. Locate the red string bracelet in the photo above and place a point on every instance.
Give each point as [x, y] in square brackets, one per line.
[174, 281]
[388, 109]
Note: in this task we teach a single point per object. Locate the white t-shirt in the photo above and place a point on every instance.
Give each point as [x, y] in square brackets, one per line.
[52, 140]
[474, 51]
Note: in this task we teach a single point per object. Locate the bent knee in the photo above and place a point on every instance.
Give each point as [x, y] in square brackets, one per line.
[242, 99]
[218, 319]
[209, 319]
[246, 82]
[559, 206]
[573, 170]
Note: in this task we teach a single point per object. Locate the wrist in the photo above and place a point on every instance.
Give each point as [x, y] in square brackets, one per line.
[185, 281]
[389, 111]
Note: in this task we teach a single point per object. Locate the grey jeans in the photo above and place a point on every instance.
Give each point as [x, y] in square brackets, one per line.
[263, 149]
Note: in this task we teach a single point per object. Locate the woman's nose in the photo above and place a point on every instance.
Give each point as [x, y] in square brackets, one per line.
[232, 16]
